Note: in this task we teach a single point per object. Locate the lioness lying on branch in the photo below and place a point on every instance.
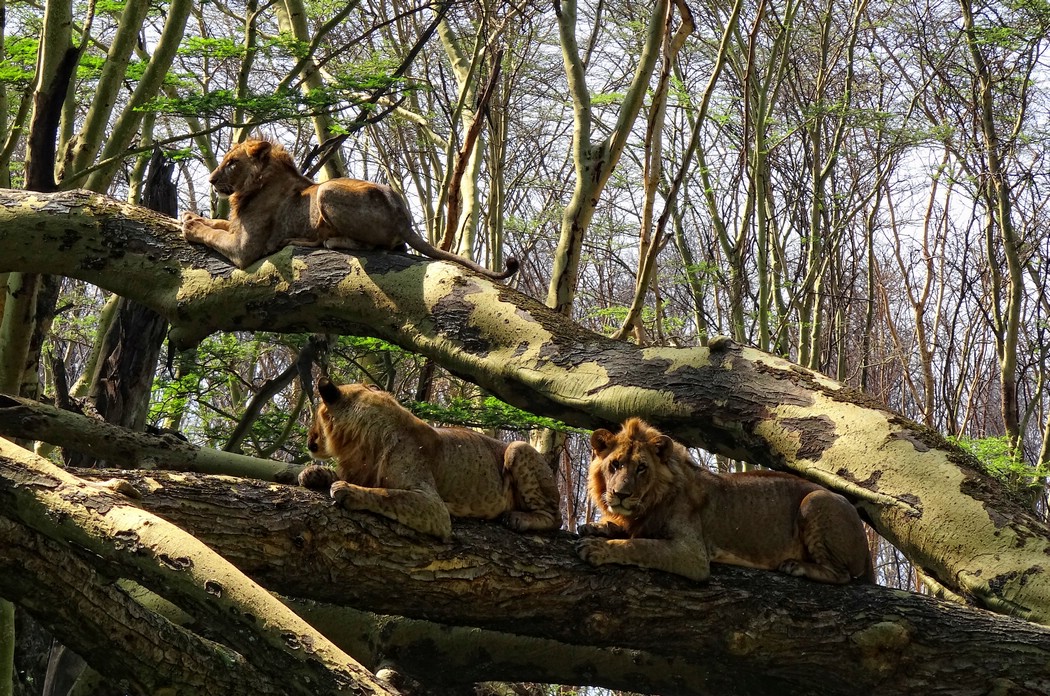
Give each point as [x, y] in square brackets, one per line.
[661, 510]
[392, 463]
[272, 205]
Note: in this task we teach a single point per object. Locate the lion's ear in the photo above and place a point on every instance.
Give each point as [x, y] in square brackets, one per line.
[602, 441]
[663, 446]
[329, 392]
[259, 149]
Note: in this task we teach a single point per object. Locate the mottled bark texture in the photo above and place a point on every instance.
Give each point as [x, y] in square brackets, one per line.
[68, 544]
[925, 496]
[492, 604]
[31, 420]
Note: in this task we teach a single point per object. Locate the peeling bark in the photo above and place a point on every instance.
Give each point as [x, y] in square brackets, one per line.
[922, 494]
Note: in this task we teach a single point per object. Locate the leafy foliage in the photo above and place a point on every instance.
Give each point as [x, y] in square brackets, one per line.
[999, 460]
[19, 65]
[489, 413]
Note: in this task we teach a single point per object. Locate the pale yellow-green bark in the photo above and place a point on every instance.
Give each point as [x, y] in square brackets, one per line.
[16, 328]
[920, 492]
[551, 618]
[122, 448]
[459, 233]
[1001, 237]
[161, 555]
[650, 238]
[823, 158]
[593, 161]
[292, 17]
[87, 143]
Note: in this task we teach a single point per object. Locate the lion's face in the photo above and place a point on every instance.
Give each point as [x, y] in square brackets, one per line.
[325, 439]
[340, 417]
[628, 474]
[240, 167]
[317, 439]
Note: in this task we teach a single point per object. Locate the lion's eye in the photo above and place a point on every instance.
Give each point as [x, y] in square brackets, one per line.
[642, 468]
[615, 465]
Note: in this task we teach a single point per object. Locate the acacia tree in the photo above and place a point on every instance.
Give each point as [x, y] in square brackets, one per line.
[928, 497]
[988, 109]
[594, 159]
[243, 65]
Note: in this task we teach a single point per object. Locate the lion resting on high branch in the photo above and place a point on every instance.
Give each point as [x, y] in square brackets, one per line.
[272, 205]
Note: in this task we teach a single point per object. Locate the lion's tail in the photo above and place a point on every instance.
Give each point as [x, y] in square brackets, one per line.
[423, 247]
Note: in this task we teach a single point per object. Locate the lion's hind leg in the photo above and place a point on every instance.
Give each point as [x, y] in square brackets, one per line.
[344, 212]
[423, 511]
[834, 539]
[535, 491]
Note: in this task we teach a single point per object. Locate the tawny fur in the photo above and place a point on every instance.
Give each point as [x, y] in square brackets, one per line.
[272, 205]
[660, 510]
[392, 463]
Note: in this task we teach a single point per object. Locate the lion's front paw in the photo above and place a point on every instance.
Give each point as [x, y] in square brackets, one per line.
[593, 550]
[607, 530]
[522, 521]
[188, 221]
[342, 494]
[316, 477]
[518, 521]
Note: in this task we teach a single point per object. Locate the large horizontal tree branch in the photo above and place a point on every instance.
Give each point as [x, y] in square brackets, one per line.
[744, 632]
[445, 655]
[924, 495]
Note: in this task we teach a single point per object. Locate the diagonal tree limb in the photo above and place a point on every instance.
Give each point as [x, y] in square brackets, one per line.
[246, 628]
[32, 420]
[926, 496]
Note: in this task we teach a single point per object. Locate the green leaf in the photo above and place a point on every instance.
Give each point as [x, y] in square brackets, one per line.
[490, 413]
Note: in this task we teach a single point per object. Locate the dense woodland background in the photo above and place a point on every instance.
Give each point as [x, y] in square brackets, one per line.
[857, 187]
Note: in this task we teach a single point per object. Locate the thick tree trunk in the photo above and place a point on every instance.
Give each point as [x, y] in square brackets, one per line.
[548, 615]
[924, 495]
[122, 377]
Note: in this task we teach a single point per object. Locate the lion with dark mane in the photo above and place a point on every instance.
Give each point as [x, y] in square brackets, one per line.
[272, 205]
[661, 510]
[391, 463]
